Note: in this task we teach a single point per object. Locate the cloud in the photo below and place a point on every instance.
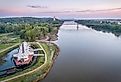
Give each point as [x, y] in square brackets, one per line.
[113, 9]
[24, 11]
[66, 11]
[36, 6]
[83, 11]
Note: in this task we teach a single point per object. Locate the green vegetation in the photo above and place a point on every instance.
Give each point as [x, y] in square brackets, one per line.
[5, 48]
[28, 28]
[7, 40]
[51, 51]
[103, 25]
[15, 30]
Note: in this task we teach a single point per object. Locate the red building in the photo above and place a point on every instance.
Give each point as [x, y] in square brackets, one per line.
[24, 55]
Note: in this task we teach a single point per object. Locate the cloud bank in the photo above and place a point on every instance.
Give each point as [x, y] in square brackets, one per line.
[36, 6]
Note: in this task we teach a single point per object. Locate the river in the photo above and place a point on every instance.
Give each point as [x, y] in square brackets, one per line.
[86, 55]
[8, 60]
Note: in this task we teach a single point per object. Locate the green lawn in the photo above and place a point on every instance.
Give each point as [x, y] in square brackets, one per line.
[40, 74]
[3, 46]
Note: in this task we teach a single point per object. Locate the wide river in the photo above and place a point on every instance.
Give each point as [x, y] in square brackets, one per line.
[86, 55]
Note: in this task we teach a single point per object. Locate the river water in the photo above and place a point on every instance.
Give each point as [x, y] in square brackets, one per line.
[86, 55]
[9, 61]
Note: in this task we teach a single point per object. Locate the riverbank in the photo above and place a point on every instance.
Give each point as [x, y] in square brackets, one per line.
[43, 31]
[3, 52]
[102, 25]
[53, 59]
[86, 55]
[39, 70]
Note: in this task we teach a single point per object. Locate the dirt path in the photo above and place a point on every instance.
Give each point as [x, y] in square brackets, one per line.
[9, 47]
[8, 80]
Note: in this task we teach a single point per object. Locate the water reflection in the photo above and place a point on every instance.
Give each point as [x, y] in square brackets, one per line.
[9, 62]
[86, 55]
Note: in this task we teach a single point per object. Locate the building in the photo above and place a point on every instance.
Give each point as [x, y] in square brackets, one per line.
[119, 22]
[54, 19]
[24, 55]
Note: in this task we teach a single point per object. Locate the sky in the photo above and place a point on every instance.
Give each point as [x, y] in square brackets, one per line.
[61, 8]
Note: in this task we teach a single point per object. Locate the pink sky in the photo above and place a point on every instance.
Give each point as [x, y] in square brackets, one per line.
[62, 8]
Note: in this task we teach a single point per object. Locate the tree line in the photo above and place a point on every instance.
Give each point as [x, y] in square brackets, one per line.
[29, 28]
[102, 25]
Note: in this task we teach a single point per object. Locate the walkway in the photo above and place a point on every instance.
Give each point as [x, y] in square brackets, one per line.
[9, 47]
[8, 80]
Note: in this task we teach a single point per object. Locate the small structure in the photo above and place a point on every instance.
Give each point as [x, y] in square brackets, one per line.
[54, 19]
[119, 22]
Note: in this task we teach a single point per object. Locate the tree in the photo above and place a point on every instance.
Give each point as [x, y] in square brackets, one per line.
[30, 35]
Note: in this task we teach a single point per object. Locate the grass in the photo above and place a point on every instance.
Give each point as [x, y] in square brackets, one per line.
[13, 40]
[40, 74]
[5, 48]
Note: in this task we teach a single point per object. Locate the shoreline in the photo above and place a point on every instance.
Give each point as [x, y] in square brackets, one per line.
[53, 61]
[49, 65]
[4, 52]
[47, 40]
[106, 28]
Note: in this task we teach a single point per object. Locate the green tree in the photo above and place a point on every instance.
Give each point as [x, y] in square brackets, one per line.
[30, 35]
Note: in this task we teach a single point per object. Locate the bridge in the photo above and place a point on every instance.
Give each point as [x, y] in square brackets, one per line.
[70, 23]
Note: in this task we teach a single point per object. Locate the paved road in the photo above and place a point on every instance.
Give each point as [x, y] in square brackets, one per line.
[8, 80]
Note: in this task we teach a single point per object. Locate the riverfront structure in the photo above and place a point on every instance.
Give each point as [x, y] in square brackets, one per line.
[24, 55]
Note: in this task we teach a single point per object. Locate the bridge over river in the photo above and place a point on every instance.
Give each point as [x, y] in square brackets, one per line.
[72, 24]
[86, 55]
